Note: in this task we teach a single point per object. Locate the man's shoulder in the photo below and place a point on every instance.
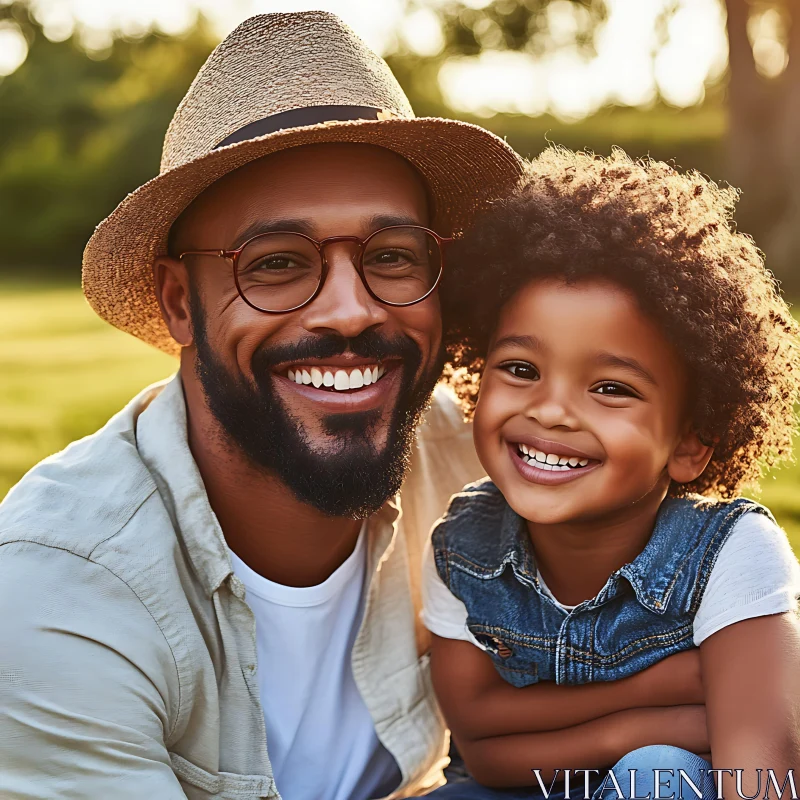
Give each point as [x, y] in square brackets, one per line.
[444, 418]
[443, 460]
[84, 495]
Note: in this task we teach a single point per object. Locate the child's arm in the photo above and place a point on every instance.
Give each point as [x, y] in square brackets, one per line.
[598, 744]
[749, 638]
[751, 671]
[503, 732]
[478, 703]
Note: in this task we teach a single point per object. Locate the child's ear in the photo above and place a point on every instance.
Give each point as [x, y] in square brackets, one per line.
[689, 458]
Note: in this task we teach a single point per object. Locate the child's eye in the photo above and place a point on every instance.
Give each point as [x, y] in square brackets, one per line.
[614, 389]
[521, 369]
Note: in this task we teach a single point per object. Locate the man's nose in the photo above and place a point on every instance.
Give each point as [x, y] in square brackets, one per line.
[344, 305]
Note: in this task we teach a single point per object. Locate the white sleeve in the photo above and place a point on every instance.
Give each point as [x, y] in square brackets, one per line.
[442, 612]
[756, 573]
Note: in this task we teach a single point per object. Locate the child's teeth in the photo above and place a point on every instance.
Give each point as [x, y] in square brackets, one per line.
[316, 377]
[549, 461]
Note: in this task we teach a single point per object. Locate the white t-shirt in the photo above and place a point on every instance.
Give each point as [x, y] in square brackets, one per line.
[756, 573]
[321, 738]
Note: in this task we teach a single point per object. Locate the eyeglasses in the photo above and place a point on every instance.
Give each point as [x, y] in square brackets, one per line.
[282, 271]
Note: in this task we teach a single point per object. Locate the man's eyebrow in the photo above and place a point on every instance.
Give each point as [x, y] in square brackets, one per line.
[271, 226]
[374, 223]
[626, 363]
[528, 342]
[378, 221]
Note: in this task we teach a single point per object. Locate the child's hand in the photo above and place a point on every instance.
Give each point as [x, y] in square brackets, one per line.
[674, 681]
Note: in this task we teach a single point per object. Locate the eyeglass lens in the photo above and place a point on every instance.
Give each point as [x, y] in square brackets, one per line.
[280, 271]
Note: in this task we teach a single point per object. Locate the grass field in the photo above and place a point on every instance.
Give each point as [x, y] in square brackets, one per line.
[63, 373]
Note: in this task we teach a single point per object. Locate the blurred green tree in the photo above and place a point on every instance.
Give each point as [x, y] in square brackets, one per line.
[760, 154]
[77, 133]
[79, 130]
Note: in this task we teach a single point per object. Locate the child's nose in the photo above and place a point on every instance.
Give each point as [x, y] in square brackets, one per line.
[553, 409]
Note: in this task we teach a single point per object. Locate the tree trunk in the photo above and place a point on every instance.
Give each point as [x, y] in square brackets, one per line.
[763, 138]
[753, 153]
[784, 244]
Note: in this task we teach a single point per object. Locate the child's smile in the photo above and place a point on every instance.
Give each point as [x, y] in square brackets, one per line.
[583, 405]
[549, 463]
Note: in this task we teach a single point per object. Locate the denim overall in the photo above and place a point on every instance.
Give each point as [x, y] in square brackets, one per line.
[644, 613]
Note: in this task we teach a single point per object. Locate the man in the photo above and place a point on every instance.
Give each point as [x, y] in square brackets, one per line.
[216, 594]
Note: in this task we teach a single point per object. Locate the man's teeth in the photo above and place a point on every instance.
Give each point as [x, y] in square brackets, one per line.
[339, 379]
[549, 461]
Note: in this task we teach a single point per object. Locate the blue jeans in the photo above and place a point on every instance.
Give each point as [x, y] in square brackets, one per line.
[644, 761]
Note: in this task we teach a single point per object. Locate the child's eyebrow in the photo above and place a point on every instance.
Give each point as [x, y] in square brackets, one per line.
[528, 342]
[626, 363]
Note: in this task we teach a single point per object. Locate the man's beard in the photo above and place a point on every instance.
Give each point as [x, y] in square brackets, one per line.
[352, 479]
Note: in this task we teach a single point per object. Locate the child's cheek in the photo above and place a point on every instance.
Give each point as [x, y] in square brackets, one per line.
[496, 405]
[636, 455]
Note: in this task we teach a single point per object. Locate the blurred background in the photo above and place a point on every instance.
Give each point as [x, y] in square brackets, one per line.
[87, 88]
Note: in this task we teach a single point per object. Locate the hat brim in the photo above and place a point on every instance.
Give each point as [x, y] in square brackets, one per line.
[464, 166]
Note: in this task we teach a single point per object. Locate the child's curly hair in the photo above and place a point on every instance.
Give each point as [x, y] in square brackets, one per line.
[669, 239]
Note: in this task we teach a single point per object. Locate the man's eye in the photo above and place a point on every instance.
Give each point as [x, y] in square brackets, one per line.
[522, 370]
[613, 389]
[275, 262]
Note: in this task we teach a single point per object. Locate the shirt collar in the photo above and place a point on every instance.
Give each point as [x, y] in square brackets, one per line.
[163, 444]
[515, 546]
[650, 578]
[654, 573]
[162, 440]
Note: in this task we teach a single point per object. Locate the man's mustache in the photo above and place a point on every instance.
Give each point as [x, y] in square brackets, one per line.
[368, 344]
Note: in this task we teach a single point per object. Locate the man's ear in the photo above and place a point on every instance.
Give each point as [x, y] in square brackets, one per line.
[689, 458]
[172, 290]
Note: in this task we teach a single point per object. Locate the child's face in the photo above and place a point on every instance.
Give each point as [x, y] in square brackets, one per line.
[579, 375]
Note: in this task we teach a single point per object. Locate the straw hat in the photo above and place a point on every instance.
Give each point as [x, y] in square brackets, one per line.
[280, 81]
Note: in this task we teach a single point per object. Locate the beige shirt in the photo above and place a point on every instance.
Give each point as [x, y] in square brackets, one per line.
[127, 651]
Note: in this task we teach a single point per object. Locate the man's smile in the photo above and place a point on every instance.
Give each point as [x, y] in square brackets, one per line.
[342, 384]
[336, 378]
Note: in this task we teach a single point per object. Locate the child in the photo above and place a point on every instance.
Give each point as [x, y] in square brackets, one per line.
[636, 367]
